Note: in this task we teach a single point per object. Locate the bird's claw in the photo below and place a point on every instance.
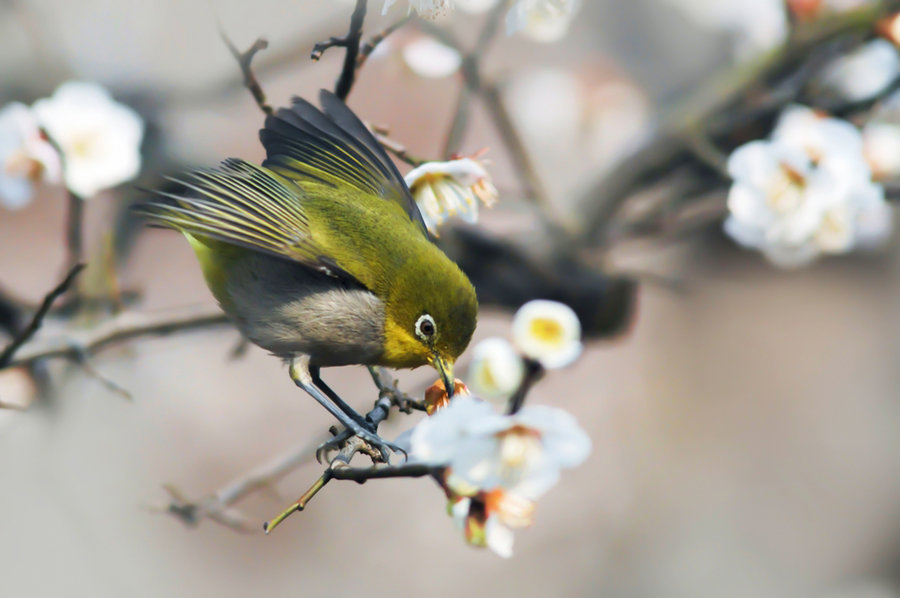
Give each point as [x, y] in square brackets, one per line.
[371, 444]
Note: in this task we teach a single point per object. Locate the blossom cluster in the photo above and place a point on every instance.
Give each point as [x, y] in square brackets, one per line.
[80, 136]
[805, 191]
[497, 466]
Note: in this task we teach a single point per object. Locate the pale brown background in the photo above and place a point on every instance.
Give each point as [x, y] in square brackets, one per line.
[745, 433]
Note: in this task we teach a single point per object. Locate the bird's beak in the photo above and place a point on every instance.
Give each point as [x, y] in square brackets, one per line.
[445, 369]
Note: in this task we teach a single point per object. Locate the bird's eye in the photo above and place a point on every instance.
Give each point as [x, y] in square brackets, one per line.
[425, 327]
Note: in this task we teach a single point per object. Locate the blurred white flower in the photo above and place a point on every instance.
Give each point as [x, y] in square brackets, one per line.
[26, 157]
[453, 188]
[475, 6]
[520, 453]
[99, 137]
[429, 9]
[756, 25]
[816, 134]
[429, 58]
[496, 370]
[806, 192]
[863, 73]
[541, 20]
[488, 519]
[881, 147]
[531, 91]
[548, 332]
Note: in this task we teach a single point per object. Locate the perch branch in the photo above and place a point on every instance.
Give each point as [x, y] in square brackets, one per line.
[338, 468]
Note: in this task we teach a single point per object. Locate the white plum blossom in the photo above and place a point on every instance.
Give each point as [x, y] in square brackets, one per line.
[453, 188]
[548, 332]
[497, 465]
[429, 9]
[100, 138]
[805, 192]
[430, 58]
[489, 519]
[541, 20]
[881, 148]
[520, 453]
[496, 370]
[26, 157]
[863, 73]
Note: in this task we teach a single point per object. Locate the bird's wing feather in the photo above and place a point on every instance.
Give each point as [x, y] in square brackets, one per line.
[333, 146]
[245, 205]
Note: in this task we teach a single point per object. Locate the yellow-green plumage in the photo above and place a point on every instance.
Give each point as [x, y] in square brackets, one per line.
[324, 226]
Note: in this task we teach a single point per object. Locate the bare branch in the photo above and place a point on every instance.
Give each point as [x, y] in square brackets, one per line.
[534, 371]
[74, 231]
[351, 43]
[125, 326]
[395, 147]
[6, 357]
[244, 60]
[217, 506]
[366, 50]
[388, 395]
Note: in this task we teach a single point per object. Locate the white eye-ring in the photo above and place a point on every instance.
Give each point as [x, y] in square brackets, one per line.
[425, 327]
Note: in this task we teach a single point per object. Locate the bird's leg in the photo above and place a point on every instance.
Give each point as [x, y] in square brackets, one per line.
[314, 372]
[300, 374]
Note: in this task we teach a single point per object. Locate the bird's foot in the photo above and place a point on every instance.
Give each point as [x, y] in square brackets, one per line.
[366, 441]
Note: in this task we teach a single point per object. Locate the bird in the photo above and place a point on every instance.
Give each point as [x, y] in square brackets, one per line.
[320, 255]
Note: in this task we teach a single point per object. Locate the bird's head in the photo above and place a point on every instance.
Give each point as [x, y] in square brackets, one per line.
[430, 316]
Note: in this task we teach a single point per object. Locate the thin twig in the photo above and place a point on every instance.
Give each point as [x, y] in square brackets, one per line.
[123, 327]
[471, 71]
[244, 60]
[217, 506]
[367, 48]
[6, 357]
[350, 43]
[74, 231]
[397, 148]
[534, 371]
[509, 134]
[388, 395]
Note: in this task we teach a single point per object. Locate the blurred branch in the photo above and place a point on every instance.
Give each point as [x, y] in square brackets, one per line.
[717, 109]
[76, 343]
[507, 274]
[475, 83]
[244, 60]
[6, 357]
[366, 50]
[534, 371]
[74, 231]
[217, 506]
[351, 43]
[395, 147]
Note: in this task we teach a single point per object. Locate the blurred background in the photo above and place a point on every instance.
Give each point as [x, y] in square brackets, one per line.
[745, 423]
